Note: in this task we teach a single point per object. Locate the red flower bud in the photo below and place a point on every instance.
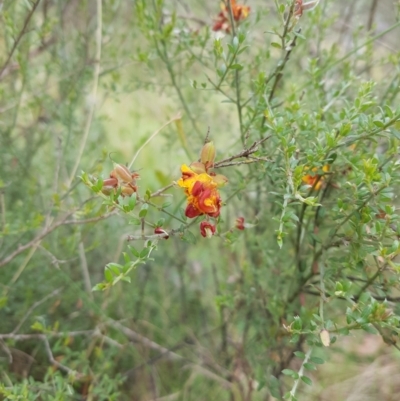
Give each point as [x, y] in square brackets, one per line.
[159, 230]
[207, 229]
[240, 223]
[109, 185]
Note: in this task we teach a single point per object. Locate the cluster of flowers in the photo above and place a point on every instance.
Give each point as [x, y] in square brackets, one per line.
[201, 188]
[239, 13]
[200, 183]
[120, 178]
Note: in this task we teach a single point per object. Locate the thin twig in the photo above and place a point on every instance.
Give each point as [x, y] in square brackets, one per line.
[47, 230]
[85, 270]
[300, 374]
[53, 361]
[244, 153]
[34, 306]
[177, 117]
[371, 15]
[237, 74]
[133, 336]
[34, 53]
[21, 34]
[161, 190]
[93, 98]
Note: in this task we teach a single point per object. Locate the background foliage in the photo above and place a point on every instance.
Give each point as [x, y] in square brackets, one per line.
[245, 315]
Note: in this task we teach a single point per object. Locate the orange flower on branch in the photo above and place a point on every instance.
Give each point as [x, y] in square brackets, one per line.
[201, 186]
[239, 13]
[315, 180]
[202, 193]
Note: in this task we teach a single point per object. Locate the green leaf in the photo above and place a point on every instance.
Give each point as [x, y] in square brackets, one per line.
[132, 202]
[134, 251]
[274, 387]
[316, 360]
[291, 373]
[3, 301]
[379, 123]
[144, 253]
[127, 259]
[300, 354]
[309, 366]
[277, 45]
[108, 275]
[115, 268]
[299, 35]
[160, 222]
[189, 237]
[143, 210]
[236, 67]
[38, 326]
[306, 380]
[99, 287]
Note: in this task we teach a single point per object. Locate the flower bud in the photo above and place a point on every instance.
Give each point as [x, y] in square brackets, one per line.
[207, 155]
[161, 231]
[198, 167]
[219, 179]
[121, 173]
[109, 185]
[128, 190]
[207, 229]
[240, 223]
[325, 337]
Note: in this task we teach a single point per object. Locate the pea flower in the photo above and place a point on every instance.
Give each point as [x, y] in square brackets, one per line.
[239, 13]
[202, 193]
[300, 6]
[207, 230]
[315, 180]
[201, 185]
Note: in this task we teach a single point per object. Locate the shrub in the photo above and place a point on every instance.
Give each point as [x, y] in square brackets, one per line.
[278, 237]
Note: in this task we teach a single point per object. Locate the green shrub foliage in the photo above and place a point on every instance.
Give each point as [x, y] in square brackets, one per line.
[197, 199]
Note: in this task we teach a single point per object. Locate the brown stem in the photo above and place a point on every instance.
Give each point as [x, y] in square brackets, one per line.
[48, 230]
[21, 34]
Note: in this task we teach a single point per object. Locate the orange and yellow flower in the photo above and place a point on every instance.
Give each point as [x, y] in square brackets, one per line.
[201, 185]
[239, 12]
[315, 180]
[201, 191]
